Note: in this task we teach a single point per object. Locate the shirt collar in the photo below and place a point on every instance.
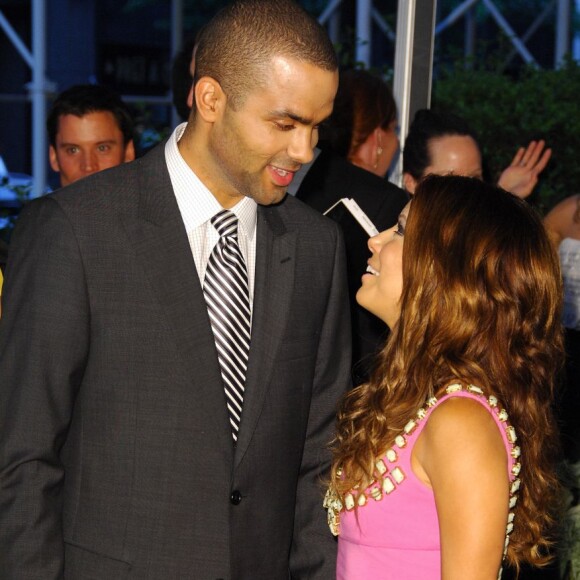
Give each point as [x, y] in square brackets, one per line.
[196, 202]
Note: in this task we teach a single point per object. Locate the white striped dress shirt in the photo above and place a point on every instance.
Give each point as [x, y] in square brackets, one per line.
[197, 206]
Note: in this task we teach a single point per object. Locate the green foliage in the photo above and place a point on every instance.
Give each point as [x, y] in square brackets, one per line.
[507, 113]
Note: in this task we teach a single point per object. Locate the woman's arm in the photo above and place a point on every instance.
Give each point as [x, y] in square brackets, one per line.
[560, 219]
[461, 455]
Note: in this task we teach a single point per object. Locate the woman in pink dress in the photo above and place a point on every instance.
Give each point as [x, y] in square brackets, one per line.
[443, 462]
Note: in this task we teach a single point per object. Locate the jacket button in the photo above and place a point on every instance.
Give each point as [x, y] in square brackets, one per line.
[235, 497]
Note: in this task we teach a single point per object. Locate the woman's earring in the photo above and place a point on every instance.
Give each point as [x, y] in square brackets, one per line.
[379, 153]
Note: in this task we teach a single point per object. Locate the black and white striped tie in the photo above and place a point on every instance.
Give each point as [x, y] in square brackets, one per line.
[226, 293]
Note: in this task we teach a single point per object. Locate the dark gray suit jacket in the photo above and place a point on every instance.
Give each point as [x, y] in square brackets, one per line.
[116, 458]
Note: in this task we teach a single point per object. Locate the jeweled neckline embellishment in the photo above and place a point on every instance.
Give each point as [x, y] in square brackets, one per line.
[389, 477]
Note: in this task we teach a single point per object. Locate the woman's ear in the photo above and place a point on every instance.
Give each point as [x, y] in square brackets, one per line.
[409, 183]
[366, 155]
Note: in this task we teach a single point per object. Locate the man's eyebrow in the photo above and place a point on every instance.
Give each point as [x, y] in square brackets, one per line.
[290, 115]
[103, 142]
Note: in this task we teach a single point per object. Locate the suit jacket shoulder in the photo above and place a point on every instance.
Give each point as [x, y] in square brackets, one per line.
[140, 184]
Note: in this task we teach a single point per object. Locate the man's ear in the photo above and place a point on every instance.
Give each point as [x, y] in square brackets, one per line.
[53, 159]
[129, 151]
[209, 99]
[409, 183]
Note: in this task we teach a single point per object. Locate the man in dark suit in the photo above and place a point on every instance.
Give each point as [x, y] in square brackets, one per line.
[328, 179]
[119, 453]
[320, 184]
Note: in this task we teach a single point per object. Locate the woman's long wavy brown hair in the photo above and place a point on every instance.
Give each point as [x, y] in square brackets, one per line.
[481, 303]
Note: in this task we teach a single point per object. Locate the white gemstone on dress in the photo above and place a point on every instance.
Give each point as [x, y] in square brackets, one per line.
[349, 501]
[333, 523]
[410, 427]
[474, 389]
[381, 467]
[388, 485]
[492, 401]
[398, 474]
[421, 413]
[391, 455]
[331, 500]
[432, 402]
[509, 528]
[376, 493]
[507, 541]
[515, 486]
[400, 441]
[511, 434]
[513, 501]
[516, 468]
[516, 452]
[511, 517]
[503, 416]
[362, 499]
[454, 388]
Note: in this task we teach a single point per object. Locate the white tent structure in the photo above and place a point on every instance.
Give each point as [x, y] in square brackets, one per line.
[38, 88]
[413, 53]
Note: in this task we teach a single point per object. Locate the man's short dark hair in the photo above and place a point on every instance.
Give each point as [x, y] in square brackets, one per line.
[80, 100]
[236, 47]
[429, 124]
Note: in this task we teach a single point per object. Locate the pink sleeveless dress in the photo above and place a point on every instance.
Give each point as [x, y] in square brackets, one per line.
[394, 533]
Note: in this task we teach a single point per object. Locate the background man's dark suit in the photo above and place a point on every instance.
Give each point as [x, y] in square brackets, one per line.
[115, 452]
[329, 179]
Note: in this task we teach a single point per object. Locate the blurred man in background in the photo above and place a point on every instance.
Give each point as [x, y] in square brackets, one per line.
[89, 129]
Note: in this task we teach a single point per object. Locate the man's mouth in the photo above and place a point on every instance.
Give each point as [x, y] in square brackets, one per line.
[281, 177]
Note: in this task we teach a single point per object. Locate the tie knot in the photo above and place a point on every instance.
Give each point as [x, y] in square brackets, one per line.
[226, 223]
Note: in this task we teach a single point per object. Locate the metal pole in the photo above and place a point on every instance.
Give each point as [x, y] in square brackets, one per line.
[413, 66]
[329, 11]
[513, 38]
[455, 15]
[176, 43]
[334, 27]
[562, 32]
[37, 91]
[15, 40]
[532, 30]
[576, 42]
[469, 37]
[402, 78]
[363, 32]
[385, 28]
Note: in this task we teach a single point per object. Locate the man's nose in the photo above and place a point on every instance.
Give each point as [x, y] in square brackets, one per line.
[90, 163]
[301, 145]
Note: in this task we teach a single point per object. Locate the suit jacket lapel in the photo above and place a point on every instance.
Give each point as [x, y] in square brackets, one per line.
[274, 280]
[160, 241]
